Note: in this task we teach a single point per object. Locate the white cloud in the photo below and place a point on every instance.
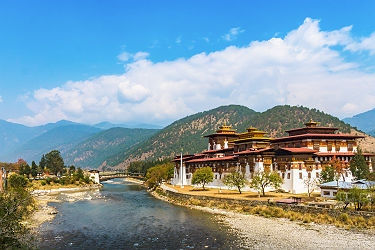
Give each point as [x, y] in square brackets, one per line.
[126, 56]
[301, 68]
[1, 99]
[365, 44]
[233, 33]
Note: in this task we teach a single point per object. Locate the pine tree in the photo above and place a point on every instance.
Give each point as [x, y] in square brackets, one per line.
[358, 166]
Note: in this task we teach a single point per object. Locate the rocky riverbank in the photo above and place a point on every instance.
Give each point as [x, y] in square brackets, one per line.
[45, 213]
[260, 232]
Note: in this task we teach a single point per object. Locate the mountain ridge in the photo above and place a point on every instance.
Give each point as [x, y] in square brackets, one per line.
[189, 130]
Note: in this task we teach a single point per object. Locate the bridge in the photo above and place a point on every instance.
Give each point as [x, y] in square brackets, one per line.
[103, 176]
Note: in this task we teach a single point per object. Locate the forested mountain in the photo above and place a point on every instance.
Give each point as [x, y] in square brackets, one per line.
[13, 135]
[188, 131]
[92, 152]
[60, 138]
[363, 121]
[108, 125]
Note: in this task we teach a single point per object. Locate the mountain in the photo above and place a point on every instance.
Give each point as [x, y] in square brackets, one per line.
[57, 137]
[187, 133]
[108, 125]
[363, 121]
[93, 151]
[189, 130]
[13, 135]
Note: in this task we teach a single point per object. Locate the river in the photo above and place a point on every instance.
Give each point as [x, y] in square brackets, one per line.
[124, 215]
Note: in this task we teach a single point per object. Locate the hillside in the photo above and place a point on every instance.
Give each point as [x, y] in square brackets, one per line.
[364, 121]
[186, 132]
[94, 150]
[280, 118]
[61, 138]
[13, 136]
[189, 130]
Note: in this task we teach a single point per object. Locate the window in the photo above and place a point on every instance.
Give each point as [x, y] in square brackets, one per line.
[300, 175]
[326, 193]
[334, 193]
[308, 175]
[283, 175]
[317, 175]
[288, 175]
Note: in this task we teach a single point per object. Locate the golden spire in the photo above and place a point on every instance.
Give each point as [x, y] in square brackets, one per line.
[311, 124]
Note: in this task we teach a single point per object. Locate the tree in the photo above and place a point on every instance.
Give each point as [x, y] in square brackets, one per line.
[34, 169]
[17, 182]
[311, 184]
[340, 168]
[72, 169]
[327, 174]
[235, 179]
[42, 163]
[24, 168]
[54, 162]
[156, 175]
[343, 197]
[202, 176]
[358, 166]
[14, 207]
[358, 197]
[266, 179]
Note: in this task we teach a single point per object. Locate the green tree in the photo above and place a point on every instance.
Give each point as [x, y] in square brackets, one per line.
[72, 170]
[358, 166]
[159, 173]
[25, 169]
[34, 169]
[17, 182]
[42, 163]
[78, 175]
[54, 162]
[15, 205]
[235, 179]
[202, 176]
[266, 179]
[327, 174]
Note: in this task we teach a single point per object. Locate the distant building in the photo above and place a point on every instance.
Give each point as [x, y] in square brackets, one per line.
[330, 189]
[296, 157]
[94, 176]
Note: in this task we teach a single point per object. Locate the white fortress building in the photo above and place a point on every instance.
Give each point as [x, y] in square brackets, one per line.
[301, 155]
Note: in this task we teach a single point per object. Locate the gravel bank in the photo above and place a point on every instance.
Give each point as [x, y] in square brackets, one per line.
[259, 232]
[45, 213]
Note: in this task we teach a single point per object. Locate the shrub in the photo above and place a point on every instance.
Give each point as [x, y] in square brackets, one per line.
[43, 183]
[344, 217]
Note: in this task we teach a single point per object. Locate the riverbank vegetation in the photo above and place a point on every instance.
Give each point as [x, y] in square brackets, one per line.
[343, 220]
[16, 204]
[158, 174]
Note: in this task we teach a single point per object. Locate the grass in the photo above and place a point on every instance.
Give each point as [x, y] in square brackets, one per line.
[342, 221]
[37, 185]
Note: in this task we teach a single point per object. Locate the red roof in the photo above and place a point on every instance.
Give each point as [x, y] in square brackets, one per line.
[305, 128]
[213, 159]
[300, 150]
[333, 136]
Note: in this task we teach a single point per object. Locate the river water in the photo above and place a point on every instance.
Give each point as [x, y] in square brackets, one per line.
[123, 215]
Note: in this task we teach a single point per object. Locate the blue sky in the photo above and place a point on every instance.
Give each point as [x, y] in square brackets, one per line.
[45, 45]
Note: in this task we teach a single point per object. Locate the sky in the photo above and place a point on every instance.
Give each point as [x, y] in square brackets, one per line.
[158, 61]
